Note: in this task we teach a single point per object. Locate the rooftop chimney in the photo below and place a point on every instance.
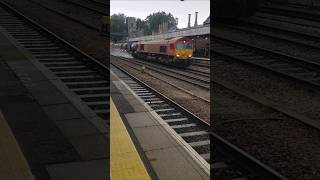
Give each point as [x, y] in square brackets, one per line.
[189, 21]
[196, 19]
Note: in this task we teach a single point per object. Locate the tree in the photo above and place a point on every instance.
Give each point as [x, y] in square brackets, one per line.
[118, 23]
[155, 19]
[141, 24]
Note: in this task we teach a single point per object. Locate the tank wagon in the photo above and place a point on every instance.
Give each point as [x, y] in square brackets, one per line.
[124, 46]
[234, 8]
[176, 51]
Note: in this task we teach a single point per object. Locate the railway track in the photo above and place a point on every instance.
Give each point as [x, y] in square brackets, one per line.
[94, 6]
[192, 129]
[295, 11]
[295, 68]
[97, 3]
[291, 36]
[202, 62]
[228, 160]
[286, 20]
[87, 25]
[174, 85]
[84, 76]
[198, 80]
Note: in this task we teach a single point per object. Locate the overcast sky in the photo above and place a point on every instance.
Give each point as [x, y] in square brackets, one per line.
[179, 9]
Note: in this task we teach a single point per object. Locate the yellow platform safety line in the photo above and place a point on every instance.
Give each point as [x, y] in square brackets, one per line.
[125, 162]
[13, 165]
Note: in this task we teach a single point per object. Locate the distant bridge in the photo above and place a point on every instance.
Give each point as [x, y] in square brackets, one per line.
[193, 31]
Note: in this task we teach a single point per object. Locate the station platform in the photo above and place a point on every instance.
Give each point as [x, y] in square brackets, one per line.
[163, 156]
[44, 133]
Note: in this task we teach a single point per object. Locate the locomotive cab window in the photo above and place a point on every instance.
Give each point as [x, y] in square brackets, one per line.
[179, 46]
[142, 47]
[172, 46]
[163, 49]
[182, 45]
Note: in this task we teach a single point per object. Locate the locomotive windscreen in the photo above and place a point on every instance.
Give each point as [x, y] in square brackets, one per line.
[184, 45]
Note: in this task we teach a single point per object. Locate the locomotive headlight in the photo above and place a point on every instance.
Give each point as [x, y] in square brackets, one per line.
[177, 55]
[190, 55]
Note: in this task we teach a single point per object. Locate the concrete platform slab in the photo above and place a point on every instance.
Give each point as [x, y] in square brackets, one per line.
[10, 53]
[153, 137]
[26, 71]
[184, 168]
[129, 97]
[100, 124]
[141, 119]
[23, 105]
[77, 128]
[59, 112]
[9, 84]
[9, 49]
[140, 108]
[44, 97]
[134, 102]
[88, 170]
[120, 101]
[91, 147]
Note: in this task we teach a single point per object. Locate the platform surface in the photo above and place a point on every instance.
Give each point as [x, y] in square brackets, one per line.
[59, 138]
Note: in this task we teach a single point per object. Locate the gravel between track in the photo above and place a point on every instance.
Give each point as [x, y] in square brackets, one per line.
[287, 145]
[269, 43]
[193, 104]
[292, 95]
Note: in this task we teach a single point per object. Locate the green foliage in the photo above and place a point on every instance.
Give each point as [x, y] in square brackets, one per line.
[142, 25]
[155, 19]
[149, 25]
[118, 23]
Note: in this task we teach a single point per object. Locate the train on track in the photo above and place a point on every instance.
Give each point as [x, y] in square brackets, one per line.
[174, 51]
[234, 8]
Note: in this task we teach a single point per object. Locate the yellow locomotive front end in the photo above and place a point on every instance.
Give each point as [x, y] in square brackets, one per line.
[183, 52]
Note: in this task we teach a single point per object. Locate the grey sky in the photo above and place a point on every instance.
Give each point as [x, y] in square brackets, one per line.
[179, 9]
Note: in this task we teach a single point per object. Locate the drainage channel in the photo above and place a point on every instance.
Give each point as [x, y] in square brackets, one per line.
[76, 71]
